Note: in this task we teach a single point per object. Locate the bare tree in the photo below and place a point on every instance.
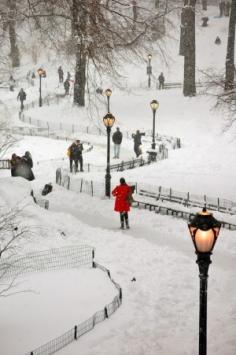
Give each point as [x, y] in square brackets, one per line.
[12, 233]
[96, 31]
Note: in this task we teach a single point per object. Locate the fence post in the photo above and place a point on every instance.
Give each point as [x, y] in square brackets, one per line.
[48, 128]
[81, 185]
[106, 312]
[170, 193]
[120, 294]
[31, 353]
[75, 332]
[187, 201]
[159, 195]
[92, 187]
[205, 200]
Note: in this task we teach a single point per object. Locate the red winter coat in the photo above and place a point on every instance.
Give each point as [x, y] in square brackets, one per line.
[121, 192]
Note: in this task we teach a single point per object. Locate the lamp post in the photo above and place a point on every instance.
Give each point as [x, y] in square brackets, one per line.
[108, 121]
[204, 230]
[42, 74]
[108, 93]
[154, 106]
[149, 70]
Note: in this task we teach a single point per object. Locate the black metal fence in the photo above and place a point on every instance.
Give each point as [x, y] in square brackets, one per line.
[147, 197]
[135, 163]
[5, 164]
[187, 199]
[51, 128]
[58, 259]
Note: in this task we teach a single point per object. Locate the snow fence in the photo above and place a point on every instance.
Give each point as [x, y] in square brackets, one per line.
[59, 259]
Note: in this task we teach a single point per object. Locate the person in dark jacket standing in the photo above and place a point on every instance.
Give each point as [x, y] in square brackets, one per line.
[28, 158]
[67, 86]
[75, 155]
[137, 142]
[161, 80]
[22, 97]
[26, 167]
[60, 74]
[117, 139]
[122, 204]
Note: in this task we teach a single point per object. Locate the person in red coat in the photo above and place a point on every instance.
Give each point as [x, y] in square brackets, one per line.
[122, 193]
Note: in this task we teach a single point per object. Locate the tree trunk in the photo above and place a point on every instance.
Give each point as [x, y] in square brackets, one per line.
[188, 17]
[79, 18]
[14, 53]
[204, 5]
[229, 64]
[80, 76]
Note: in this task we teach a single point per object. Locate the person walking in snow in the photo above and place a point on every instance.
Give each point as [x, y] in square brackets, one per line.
[60, 74]
[67, 86]
[222, 7]
[123, 194]
[12, 83]
[22, 97]
[161, 80]
[227, 8]
[137, 142]
[117, 139]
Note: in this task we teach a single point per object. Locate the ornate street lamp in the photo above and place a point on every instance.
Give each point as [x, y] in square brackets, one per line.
[42, 74]
[154, 106]
[204, 230]
[108, 121]
[149, 70]
[108, 93]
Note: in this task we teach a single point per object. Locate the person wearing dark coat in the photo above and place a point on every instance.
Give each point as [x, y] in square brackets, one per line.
[22, 97]
[137, 142]
[222, 7]
[14, 162]
[60, 74]
[122, 205]
[75, 155]
[117, 139]
[218, 40]
[67, 86]
[12, 83]
[161, 80]
[21, 167]
[28, 158]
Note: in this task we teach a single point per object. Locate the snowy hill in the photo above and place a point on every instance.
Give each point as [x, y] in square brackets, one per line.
[159, 314]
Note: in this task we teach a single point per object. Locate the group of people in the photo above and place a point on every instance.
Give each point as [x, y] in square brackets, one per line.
[75, 154]
[117, 140]
[224, 6]
[22, 166]
[67, 82]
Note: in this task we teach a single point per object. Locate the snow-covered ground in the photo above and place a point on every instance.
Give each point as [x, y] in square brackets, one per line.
[159, 314]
